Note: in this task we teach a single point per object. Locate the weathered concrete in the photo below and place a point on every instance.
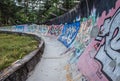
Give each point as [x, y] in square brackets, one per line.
[51, 67]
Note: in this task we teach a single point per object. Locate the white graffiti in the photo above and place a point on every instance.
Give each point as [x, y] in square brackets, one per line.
[43, 29]
[69, 34]
[109, 52]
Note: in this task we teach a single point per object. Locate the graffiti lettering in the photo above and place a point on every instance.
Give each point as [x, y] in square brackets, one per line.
[43, 29]
[82, 40]
[69, 33]
[55, 30]
[109, 52]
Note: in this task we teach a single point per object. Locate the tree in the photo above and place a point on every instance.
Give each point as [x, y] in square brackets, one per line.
[31, 11]
[7, 11]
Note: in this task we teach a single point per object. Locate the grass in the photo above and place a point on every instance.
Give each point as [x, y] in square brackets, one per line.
[14, 47]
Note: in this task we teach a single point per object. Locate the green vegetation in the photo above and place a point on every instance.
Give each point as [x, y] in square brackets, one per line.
[14, 47]
[14, 12]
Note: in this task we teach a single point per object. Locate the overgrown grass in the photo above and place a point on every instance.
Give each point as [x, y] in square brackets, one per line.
[14, 47]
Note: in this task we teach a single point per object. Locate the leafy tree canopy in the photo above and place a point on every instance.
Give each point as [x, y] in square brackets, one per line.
[14, 12]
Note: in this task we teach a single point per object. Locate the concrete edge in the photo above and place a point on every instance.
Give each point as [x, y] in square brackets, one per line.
[19, 70]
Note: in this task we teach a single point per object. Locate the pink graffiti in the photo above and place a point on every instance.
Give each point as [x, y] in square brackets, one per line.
[54, 30]
[110, 14]
[87, 64]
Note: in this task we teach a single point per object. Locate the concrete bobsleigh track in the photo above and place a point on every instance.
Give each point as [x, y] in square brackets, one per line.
[51, 67]
[87, 49]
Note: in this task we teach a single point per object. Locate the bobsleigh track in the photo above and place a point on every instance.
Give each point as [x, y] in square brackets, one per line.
[87, 49]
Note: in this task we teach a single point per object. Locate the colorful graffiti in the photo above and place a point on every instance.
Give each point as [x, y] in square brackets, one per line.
[32, 28]
[43, 29]
[109, 53]
[98, 58]
[69, 33]
[20, 28]
[101, 59]
[54, 30]
[82, 39]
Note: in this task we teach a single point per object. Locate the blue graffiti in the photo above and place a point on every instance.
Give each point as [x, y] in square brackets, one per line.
[69, 33]
[20, 28]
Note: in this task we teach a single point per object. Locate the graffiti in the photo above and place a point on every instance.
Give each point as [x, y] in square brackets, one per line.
[55, 30]
[82, 39]
[9, 28]
[32, 28]
[20, 28]
[84, 33]
[69, 33]
[43, 29]
[109, 53]
[101, 59]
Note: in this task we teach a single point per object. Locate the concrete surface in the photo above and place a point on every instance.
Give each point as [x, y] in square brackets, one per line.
[51, 66]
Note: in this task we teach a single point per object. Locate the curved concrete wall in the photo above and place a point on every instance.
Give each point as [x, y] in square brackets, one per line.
[95, 38]
[97, 42]
[100, 61]
[83, 9]
[19, 70]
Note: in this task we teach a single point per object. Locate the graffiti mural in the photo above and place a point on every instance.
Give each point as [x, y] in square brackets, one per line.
[101, 59]
[20, 28]
[43, 29]
[69, 33]
[32, 28]
[82, 39]
[55, 30]
[109, 52]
